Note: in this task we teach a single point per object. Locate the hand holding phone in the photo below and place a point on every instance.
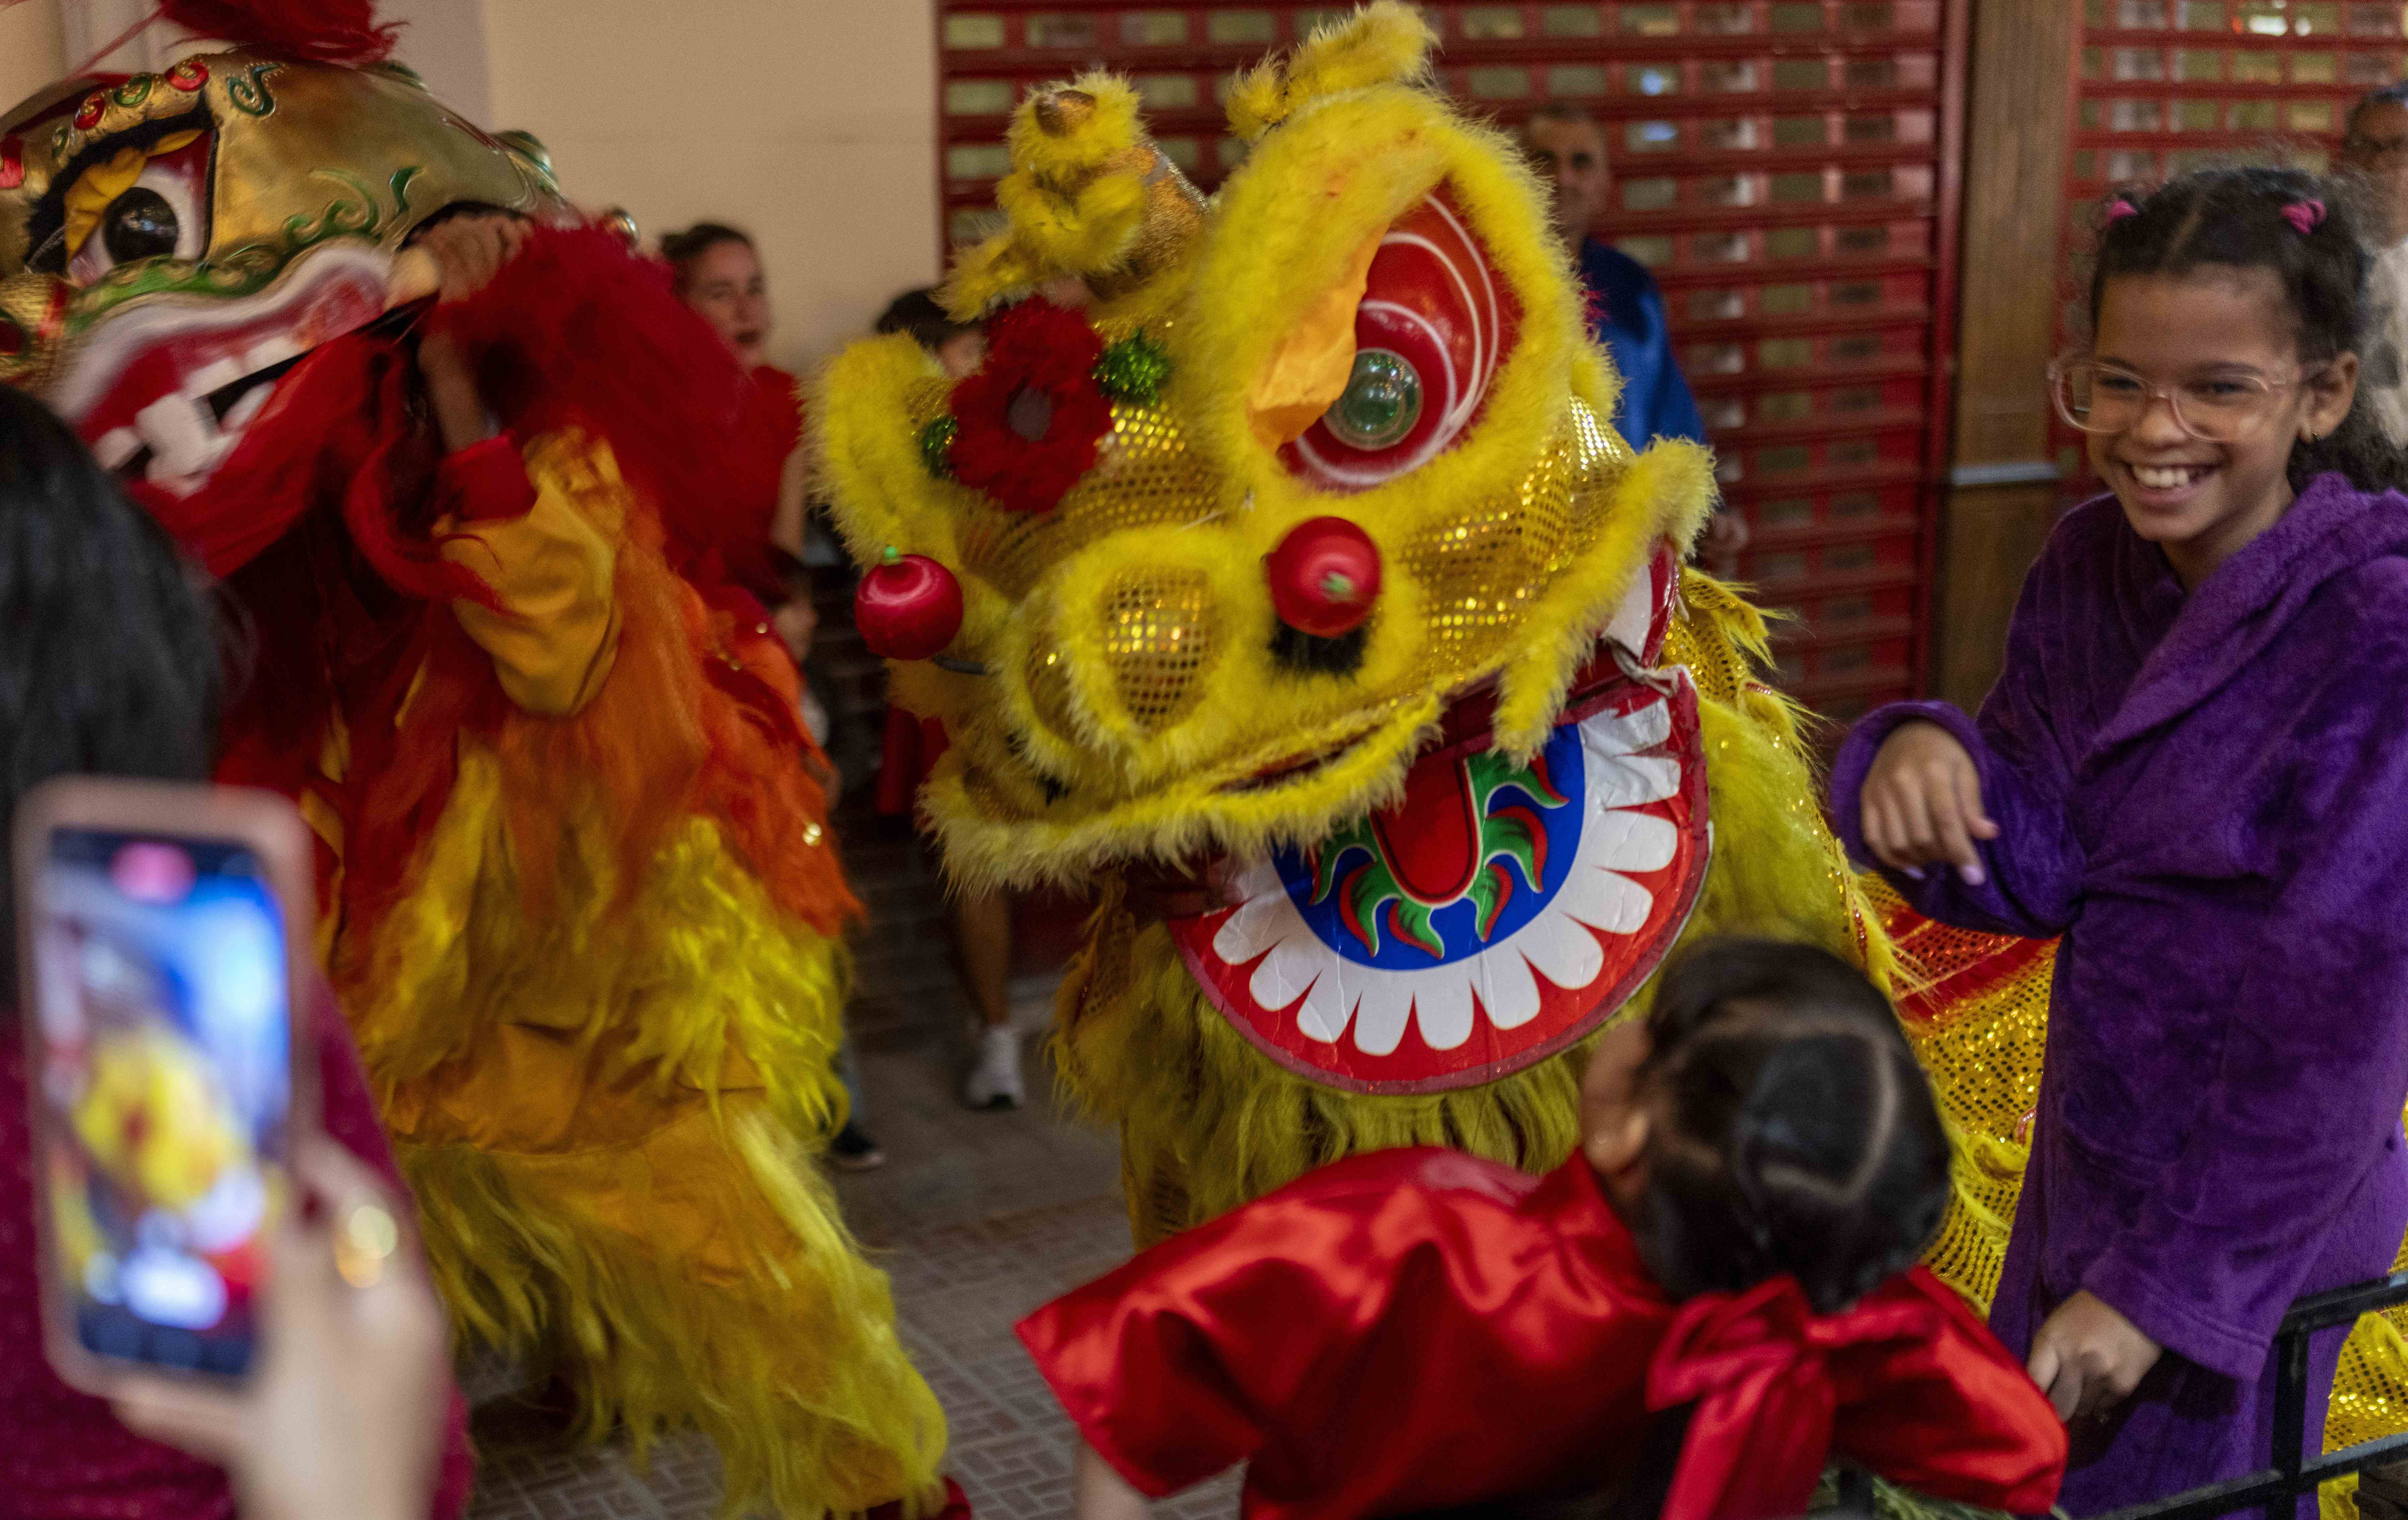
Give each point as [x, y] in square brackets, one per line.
[344, 1412]
[162, 929]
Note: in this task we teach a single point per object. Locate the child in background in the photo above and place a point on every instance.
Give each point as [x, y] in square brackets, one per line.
[1715, 1293]
[2194, 768]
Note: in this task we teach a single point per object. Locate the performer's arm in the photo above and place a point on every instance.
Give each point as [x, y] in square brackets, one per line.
[541, 532]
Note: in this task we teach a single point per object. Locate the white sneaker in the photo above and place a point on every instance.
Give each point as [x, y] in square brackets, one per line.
[995, 1083]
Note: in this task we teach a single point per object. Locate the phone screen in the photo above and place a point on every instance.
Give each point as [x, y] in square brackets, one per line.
[164, 1067]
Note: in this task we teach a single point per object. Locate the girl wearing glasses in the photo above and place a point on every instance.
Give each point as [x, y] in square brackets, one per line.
[2194, 769]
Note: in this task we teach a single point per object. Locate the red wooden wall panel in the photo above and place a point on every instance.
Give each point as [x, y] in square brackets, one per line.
[1787, 169]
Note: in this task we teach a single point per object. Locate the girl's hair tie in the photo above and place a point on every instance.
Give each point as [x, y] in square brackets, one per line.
[2118, 208]
[2307, 215]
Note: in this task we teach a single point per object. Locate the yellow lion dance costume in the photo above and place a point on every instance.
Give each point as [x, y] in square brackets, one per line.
[1463, 817]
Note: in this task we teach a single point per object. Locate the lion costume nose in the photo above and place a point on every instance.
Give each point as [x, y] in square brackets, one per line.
[1325, 577]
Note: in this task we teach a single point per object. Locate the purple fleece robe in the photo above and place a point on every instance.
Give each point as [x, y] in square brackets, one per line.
[2207, 797]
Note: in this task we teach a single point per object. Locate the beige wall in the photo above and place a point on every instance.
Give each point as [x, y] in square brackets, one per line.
[33, 49]
[811, 123]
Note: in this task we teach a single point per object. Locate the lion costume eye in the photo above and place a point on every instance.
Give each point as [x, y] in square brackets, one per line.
[1436, 320]
[144, 204]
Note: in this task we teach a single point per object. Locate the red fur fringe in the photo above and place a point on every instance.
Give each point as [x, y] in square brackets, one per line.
[315, 31]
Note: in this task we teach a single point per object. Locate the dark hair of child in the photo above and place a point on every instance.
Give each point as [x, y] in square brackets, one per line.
[1796, 1133]
[917, 312]
[2242, 218]
[682, 247]
[108, 661]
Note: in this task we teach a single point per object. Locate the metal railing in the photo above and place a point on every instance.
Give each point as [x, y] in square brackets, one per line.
[2278, 1489]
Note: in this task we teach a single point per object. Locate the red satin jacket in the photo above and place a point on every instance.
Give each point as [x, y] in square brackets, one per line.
[1415, 1329]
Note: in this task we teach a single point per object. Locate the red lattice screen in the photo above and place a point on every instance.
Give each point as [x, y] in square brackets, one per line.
[2161, 86]
[1787, 169]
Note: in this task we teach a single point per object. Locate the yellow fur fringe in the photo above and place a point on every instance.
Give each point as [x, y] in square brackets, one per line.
[1383, 43]
[774, 1338]
[607, 1118]
[1206, 1121]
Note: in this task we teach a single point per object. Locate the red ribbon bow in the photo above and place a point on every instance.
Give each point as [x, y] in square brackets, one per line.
[1759, 1368]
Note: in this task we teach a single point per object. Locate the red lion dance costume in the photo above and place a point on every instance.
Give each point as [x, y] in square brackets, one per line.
[580, 904]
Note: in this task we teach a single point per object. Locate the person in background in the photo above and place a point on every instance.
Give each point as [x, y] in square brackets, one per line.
[980, 920]
[110, 667]
[1625, 313]
[718, 273]
[2374, 154]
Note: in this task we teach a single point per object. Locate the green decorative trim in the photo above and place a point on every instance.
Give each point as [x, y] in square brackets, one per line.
[134, 91]
[252, 267]
[248, 90]
[403, 72]
[936, 446]
[1134, 370]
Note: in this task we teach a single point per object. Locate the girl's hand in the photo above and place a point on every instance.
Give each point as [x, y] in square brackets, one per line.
[344, 1412]
[1922, 802]
[1103, 1493]
[2088, 1358]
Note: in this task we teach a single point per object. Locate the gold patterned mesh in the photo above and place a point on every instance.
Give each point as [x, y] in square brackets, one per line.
[1159, 636]
[1493, 557]
[1977, 1015]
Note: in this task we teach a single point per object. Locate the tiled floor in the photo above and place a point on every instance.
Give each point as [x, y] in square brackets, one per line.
[977, 1217]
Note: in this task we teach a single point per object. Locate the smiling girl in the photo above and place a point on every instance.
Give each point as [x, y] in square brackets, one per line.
[2194, 769]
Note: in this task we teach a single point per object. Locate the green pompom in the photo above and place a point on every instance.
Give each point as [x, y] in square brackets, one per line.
[937, 447]
[1134, 370]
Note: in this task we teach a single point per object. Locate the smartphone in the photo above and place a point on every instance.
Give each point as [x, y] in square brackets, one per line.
[161, 928]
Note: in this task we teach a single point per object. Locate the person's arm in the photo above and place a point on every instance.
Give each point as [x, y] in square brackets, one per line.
[1104, 1494]
[1188, 1359]
[1673, 409]
[2307, 1089]
[1985, 800]
[541, 533]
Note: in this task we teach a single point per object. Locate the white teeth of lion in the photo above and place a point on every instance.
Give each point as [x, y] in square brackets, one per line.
[244, 409]
[268, 351]
[117, 446]
[212, 377]
[181, 435]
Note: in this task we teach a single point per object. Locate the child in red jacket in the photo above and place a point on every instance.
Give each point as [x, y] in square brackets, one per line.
[1695, 1312]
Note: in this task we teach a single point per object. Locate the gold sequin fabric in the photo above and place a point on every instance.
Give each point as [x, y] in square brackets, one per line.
[1975, 1007]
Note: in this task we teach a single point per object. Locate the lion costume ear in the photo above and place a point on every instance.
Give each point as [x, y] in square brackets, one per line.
[1386, 42]
[1089, 196]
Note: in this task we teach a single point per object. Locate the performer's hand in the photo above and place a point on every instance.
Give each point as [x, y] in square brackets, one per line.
[344, 1413]
[2088, 1358]
[1922, 802]
[1104, 1494]
[1181, 890]
[468, 251]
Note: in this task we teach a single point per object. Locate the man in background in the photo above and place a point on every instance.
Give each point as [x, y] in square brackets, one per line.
[2374, 152]
[1625, 313]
